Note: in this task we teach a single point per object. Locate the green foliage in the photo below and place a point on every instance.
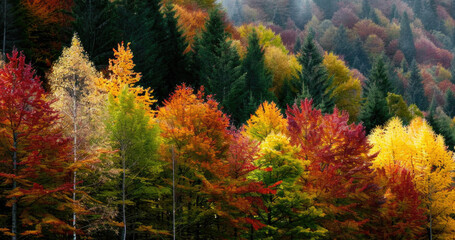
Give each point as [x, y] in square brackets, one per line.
[397, 107]
[379, 76]
[135, 136]
[415, 91]
[406, 40]
[375, 111]
[449, 106]
[316, 84]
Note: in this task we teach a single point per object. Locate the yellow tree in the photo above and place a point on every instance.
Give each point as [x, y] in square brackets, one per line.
[266, 120]
[72, 82]
[121, 74]
[418, 149]
[347, 89]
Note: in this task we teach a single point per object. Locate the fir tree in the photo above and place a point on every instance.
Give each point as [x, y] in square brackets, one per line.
[417, 7]
[406, 40]
[452, 69]
[442, 124]
[95, 24]
[379, 76]
[449, 106]
[415, 91]
[366, 9]
[314, 77]
[375, 111]
[12, 27]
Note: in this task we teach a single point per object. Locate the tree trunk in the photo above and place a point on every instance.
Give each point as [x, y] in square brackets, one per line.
[74, 154]
[14, 208]
[123, 192]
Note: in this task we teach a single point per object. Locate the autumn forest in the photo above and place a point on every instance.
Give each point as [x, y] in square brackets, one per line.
[229, 119]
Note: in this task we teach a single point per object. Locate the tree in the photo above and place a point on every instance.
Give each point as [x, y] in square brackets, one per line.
[257, 79]
[442, 125]
[418, 149]
[316, 84]
[338, 154]
[122, 73]
[374, 111]
[95, 24]
[406, 40]
[72, 83]
[266, 120]
[327, 6]
[452, 69]
[347, 90]
[449, 107]
[379, 76]
[134, 135]
[37, 165]
[397, 107]
[415, 91]
[13, 27]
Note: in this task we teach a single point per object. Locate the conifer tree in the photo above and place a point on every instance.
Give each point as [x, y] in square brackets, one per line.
[314, 77]
[449, 106]
[95, 24]
[442, 124]
[415, 91]
[375, 111]
[452, 69]
[12, 26]
[366, 9]
[379, 76]
[406, 40]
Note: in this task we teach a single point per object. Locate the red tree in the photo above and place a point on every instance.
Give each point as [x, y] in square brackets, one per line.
[35, 165]
[339, 173]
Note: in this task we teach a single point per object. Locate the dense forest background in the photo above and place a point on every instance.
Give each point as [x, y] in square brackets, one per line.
[237, 119]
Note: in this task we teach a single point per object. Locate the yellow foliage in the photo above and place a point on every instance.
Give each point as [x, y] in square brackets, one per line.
[423, 153]
[347, 89]
[266, 120]
[266, 36]
[281, 65]
[122, 73]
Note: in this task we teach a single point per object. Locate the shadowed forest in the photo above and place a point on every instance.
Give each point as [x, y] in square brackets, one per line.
[232, 119]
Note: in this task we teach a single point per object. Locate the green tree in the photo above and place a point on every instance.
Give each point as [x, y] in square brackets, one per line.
[397, 107]
[379, 76]
[452, 69]
[314, 77]
[95, 23]
[415, 91]
[443, 125]
[375, 111]
[449, 106]
[136, 139]
[406, 40]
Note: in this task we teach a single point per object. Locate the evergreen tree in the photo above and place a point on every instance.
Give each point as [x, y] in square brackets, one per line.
[442, 124]
[257, 80]
[297, 45]
[394, 12]
[207, 48]
[375, 111]
[452, 70]
[327, 6]
[95, 24]
[417, 7]
[429, 15]
[415, 91]
[12, 26]
[314, 77]
[366, 9]
[379, 76]
[353, 52]
[449, 106]
[406, 40]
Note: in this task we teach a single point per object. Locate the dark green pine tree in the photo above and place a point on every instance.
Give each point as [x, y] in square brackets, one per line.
[96, 24]
[449, 106]
[257, 80]
[415, 92]
[353, 52]
[429, 16]
[328, 7]
[375, 111]
[406, 40]
[366, 9]
[379, 76]
[237, 16]
[12, 27]
[442, 125]
[417, 7]
[452, 70]
[207, 48]
[314, 77]
[394, 12]
[297, 45]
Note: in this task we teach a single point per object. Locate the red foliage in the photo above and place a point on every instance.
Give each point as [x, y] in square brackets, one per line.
[402, 215]
[29, 130]
[339, 172]
[345, 17]
[398, 58]
[391, 48]
[366, 27]
[445, 85]
[289, 37]
[428, 53]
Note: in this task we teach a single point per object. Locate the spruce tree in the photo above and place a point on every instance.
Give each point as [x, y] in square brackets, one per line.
[415, 91]
[366, 9]
[452, 70]
[449, 106]
[406, 40]
[257, 80]
[379, 76]
[417, 7]
[442, 125]
[314, 77]
[12, 26]
[95, 24]
[207, 48]
[375, 111]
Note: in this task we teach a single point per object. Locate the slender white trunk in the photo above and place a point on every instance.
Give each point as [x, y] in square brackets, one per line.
[173, 192]
[74, 154]
[123, 193]
[14, 208]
